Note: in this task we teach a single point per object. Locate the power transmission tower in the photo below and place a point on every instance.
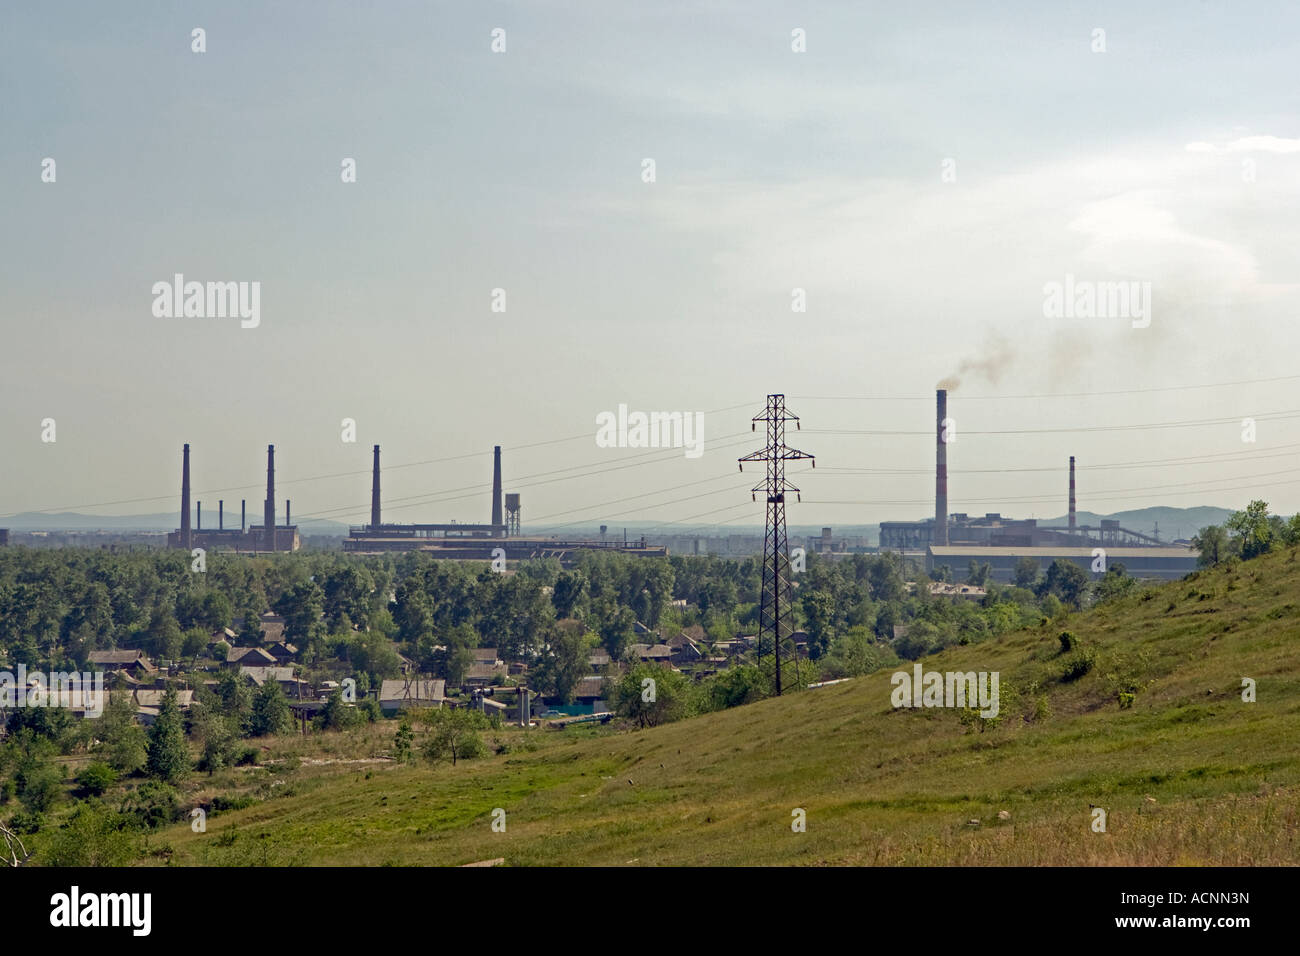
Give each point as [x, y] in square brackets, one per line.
[775, 612]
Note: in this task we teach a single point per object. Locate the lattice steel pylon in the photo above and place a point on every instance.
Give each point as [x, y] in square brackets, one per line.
[775, 612]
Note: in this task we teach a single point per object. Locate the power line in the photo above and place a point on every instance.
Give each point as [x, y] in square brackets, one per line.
[1120, 391]
[1188, 423]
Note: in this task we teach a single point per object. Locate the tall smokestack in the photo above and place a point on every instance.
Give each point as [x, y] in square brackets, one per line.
[198, 516]
[1072, 494]
[221, 514]
[187, 538]
[496, 489]
[288, 515]
[268, 509]
[243, 513]
[941, 471]
[374, 493]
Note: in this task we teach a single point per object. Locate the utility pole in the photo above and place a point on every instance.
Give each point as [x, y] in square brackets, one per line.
[775, 613]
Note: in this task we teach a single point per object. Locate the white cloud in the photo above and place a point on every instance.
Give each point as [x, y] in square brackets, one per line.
[1249, 144]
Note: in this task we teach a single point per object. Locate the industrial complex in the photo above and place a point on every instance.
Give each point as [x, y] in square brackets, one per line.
[499, 538]
[957, 539]
[266, 537]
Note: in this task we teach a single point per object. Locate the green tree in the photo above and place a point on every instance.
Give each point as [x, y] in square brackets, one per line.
[337, 714]
[1252, 530]
[95, 778]
[402, 741]
[454, 732]
[122, 740]
[978, 573]
[217, 738]
[301, 607]
[1026, 573]
[236, 699]
[563, 661]
[193, 643]
[820, 612]
[570, 591]
[168, 755]
[651, 695]
[164, 636]
[271, 714]
[1213, 545]
[1067, 581]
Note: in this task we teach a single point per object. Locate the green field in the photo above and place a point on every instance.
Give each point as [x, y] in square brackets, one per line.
[1188, 774]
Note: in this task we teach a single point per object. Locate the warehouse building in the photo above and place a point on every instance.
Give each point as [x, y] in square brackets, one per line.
[1166, 563]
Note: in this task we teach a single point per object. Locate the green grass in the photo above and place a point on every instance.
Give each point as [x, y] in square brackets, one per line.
[1189, 774]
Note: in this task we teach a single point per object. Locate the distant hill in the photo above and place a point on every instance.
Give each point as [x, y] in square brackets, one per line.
[1174, 522]
[72, 521]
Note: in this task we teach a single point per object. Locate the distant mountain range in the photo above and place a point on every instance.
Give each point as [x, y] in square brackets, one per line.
[1173, 522]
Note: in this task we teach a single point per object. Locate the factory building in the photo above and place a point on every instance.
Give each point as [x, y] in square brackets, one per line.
[476, 542]
[244, 538]
[956, 539]
[1166, 563]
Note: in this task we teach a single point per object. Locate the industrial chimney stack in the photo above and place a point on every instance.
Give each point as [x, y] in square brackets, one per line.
[268, 509]
[187, 538]
[496, 492]
[374, 493]
[941, 470]
[1071, 494]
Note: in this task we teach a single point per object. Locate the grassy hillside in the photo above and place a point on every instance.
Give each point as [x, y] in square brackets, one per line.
[1189, 774]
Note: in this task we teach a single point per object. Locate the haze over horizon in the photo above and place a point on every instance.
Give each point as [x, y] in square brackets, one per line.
[822, 171]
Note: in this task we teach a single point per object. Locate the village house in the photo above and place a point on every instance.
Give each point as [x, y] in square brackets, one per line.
[238, 657]
[406, 692]
[134, 663]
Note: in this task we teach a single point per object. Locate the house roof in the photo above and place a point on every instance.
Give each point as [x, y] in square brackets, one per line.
[589, 687]
[122, 657]
[423, 689]
[599, 658]
[244, 653]
[488, 654]
[154, 697]
[260, 675]
[481, 670]
[678, 641]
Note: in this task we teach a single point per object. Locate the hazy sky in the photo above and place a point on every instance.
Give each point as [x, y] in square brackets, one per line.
[1173, 157]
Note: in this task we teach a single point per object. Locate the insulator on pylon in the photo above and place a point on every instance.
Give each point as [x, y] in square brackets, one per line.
[753, 426]
[798, 497]
[754, 496]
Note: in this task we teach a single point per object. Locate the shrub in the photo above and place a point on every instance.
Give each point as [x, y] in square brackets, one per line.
[1068, 642]
[1078, 664]
[220, 803]
[93, 836]
[96, 778]
[1042, 709]
[153, 805]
